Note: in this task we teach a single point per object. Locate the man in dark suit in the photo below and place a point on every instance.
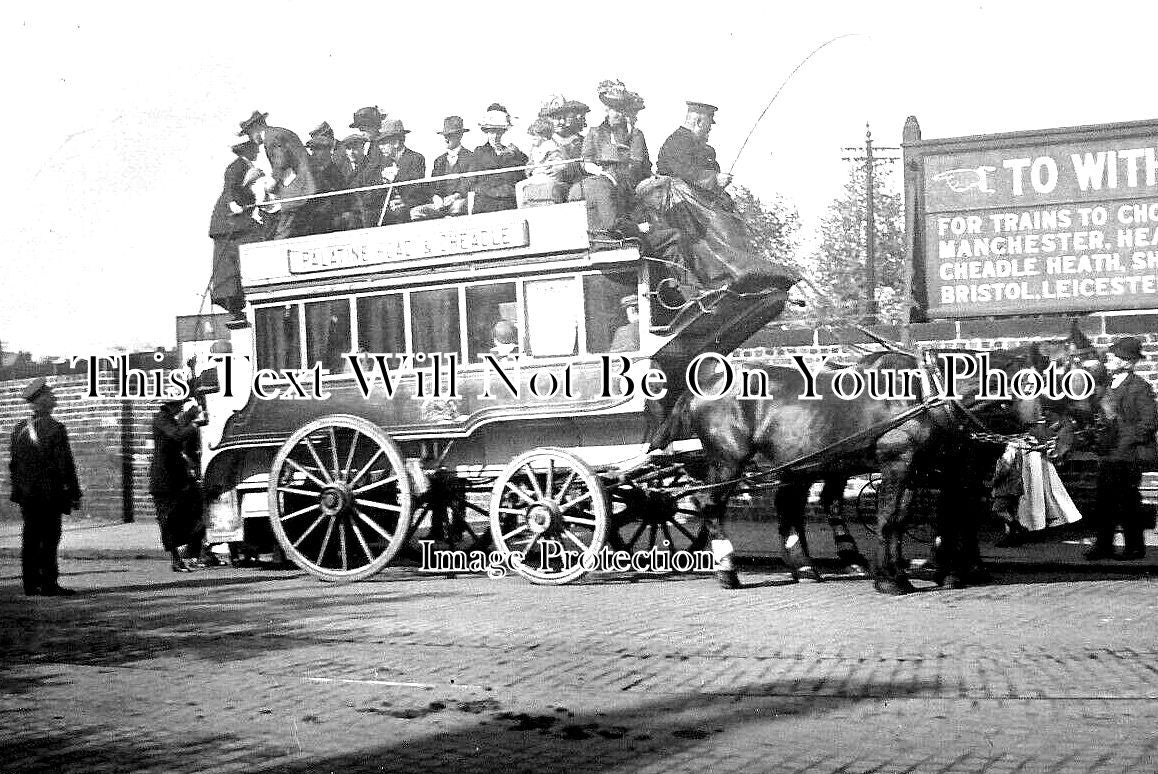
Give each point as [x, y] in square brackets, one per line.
[324, 213]
[395, 164]
[449, 197]
[173, 480]
[1128, 445]
[686, 154]
[45, 486]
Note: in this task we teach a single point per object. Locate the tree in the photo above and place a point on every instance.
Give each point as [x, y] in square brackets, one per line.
[838, 264]
[774, 225]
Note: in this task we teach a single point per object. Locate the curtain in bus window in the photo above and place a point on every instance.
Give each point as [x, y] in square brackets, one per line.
[434, 321]
[486, 305]
[601, 308]
[328, 333]
[278, 346]
[382, 324]
[553, 317]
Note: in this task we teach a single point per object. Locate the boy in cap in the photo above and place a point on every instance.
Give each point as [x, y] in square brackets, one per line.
[1128, 445]
[44, 485]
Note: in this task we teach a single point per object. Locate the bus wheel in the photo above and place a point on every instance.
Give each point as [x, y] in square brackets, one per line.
[339, 498]
[549, 516]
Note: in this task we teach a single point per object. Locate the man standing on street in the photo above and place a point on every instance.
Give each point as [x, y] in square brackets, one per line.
[173, 481]
[45, 487]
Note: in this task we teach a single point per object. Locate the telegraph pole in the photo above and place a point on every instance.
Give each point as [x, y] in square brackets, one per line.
[869, 159]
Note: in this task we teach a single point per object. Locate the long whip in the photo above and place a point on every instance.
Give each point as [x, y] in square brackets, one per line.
[784, 83]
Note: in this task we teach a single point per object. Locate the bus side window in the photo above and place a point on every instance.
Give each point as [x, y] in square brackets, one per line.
[553, 317]
[602, 294]
[278, 344]
[434, 321]
[382, 325]
[328, 333]
[486, 305]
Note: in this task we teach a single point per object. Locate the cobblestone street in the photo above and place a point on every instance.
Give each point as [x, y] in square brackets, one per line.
[256, 670]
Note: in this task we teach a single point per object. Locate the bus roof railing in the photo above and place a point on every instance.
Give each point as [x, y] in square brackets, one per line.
[419, 181]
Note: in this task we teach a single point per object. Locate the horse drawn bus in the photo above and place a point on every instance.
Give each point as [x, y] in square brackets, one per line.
[463, 380]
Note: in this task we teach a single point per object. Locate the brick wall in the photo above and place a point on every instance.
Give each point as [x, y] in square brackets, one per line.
[111, 441]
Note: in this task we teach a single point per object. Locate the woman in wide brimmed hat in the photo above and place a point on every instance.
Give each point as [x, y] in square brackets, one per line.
[615, 155]
[1128, 447]
[569, 119]
[497, 192]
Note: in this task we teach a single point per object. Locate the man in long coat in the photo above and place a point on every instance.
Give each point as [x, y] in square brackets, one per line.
[44, 485]
[394, 163]
[173, 480]
[1128, 447]
[686, 154]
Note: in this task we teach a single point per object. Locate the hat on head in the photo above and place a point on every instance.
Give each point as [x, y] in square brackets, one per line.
[453, 125]
[557, 105]
[703, 107]
[367, 118]
[245, 149]
[257, 117]
[626, 301]
[496, 117]
[322, 134]
[614, 94]
[391, 127]
[353, 140]
[635, 102]
[34, 388]
[541, 127]
[1127, 348]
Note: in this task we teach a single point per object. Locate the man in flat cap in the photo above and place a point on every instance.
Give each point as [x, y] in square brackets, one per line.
[687, 155]
[1128, 446]
[45, 486]
[626, 337]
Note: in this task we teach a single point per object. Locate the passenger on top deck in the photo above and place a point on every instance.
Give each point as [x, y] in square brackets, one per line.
[616, 158]
[686, 153]
[449, 197]
[542, 186]
[569, 119]
[395, 163]
[289, 172]
[233, 224]
[497, 192]
[368, 122]
[350, 162]
[324, 214]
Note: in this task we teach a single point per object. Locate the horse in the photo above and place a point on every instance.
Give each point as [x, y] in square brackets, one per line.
[831, 436]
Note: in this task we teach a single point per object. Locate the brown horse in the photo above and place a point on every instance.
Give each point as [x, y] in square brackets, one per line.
[830, 437]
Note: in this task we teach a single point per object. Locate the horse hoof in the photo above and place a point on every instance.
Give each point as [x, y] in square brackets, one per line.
[892, 586]
[728, 579]
[951, 581]
[807, 574]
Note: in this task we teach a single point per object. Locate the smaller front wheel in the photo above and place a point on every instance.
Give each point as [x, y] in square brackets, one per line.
[548, 514]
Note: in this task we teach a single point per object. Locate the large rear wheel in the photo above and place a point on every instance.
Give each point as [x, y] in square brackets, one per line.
[339, 499]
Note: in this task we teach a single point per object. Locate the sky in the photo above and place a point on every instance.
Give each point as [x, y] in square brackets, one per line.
[120, 116]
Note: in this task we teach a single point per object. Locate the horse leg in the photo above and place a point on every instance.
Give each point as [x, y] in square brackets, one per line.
[713, 516]
[890, 570]
[847, 551]
[791, 500]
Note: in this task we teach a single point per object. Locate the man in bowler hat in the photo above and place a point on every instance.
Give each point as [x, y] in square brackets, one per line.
[1127, 447]
[45, 486]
